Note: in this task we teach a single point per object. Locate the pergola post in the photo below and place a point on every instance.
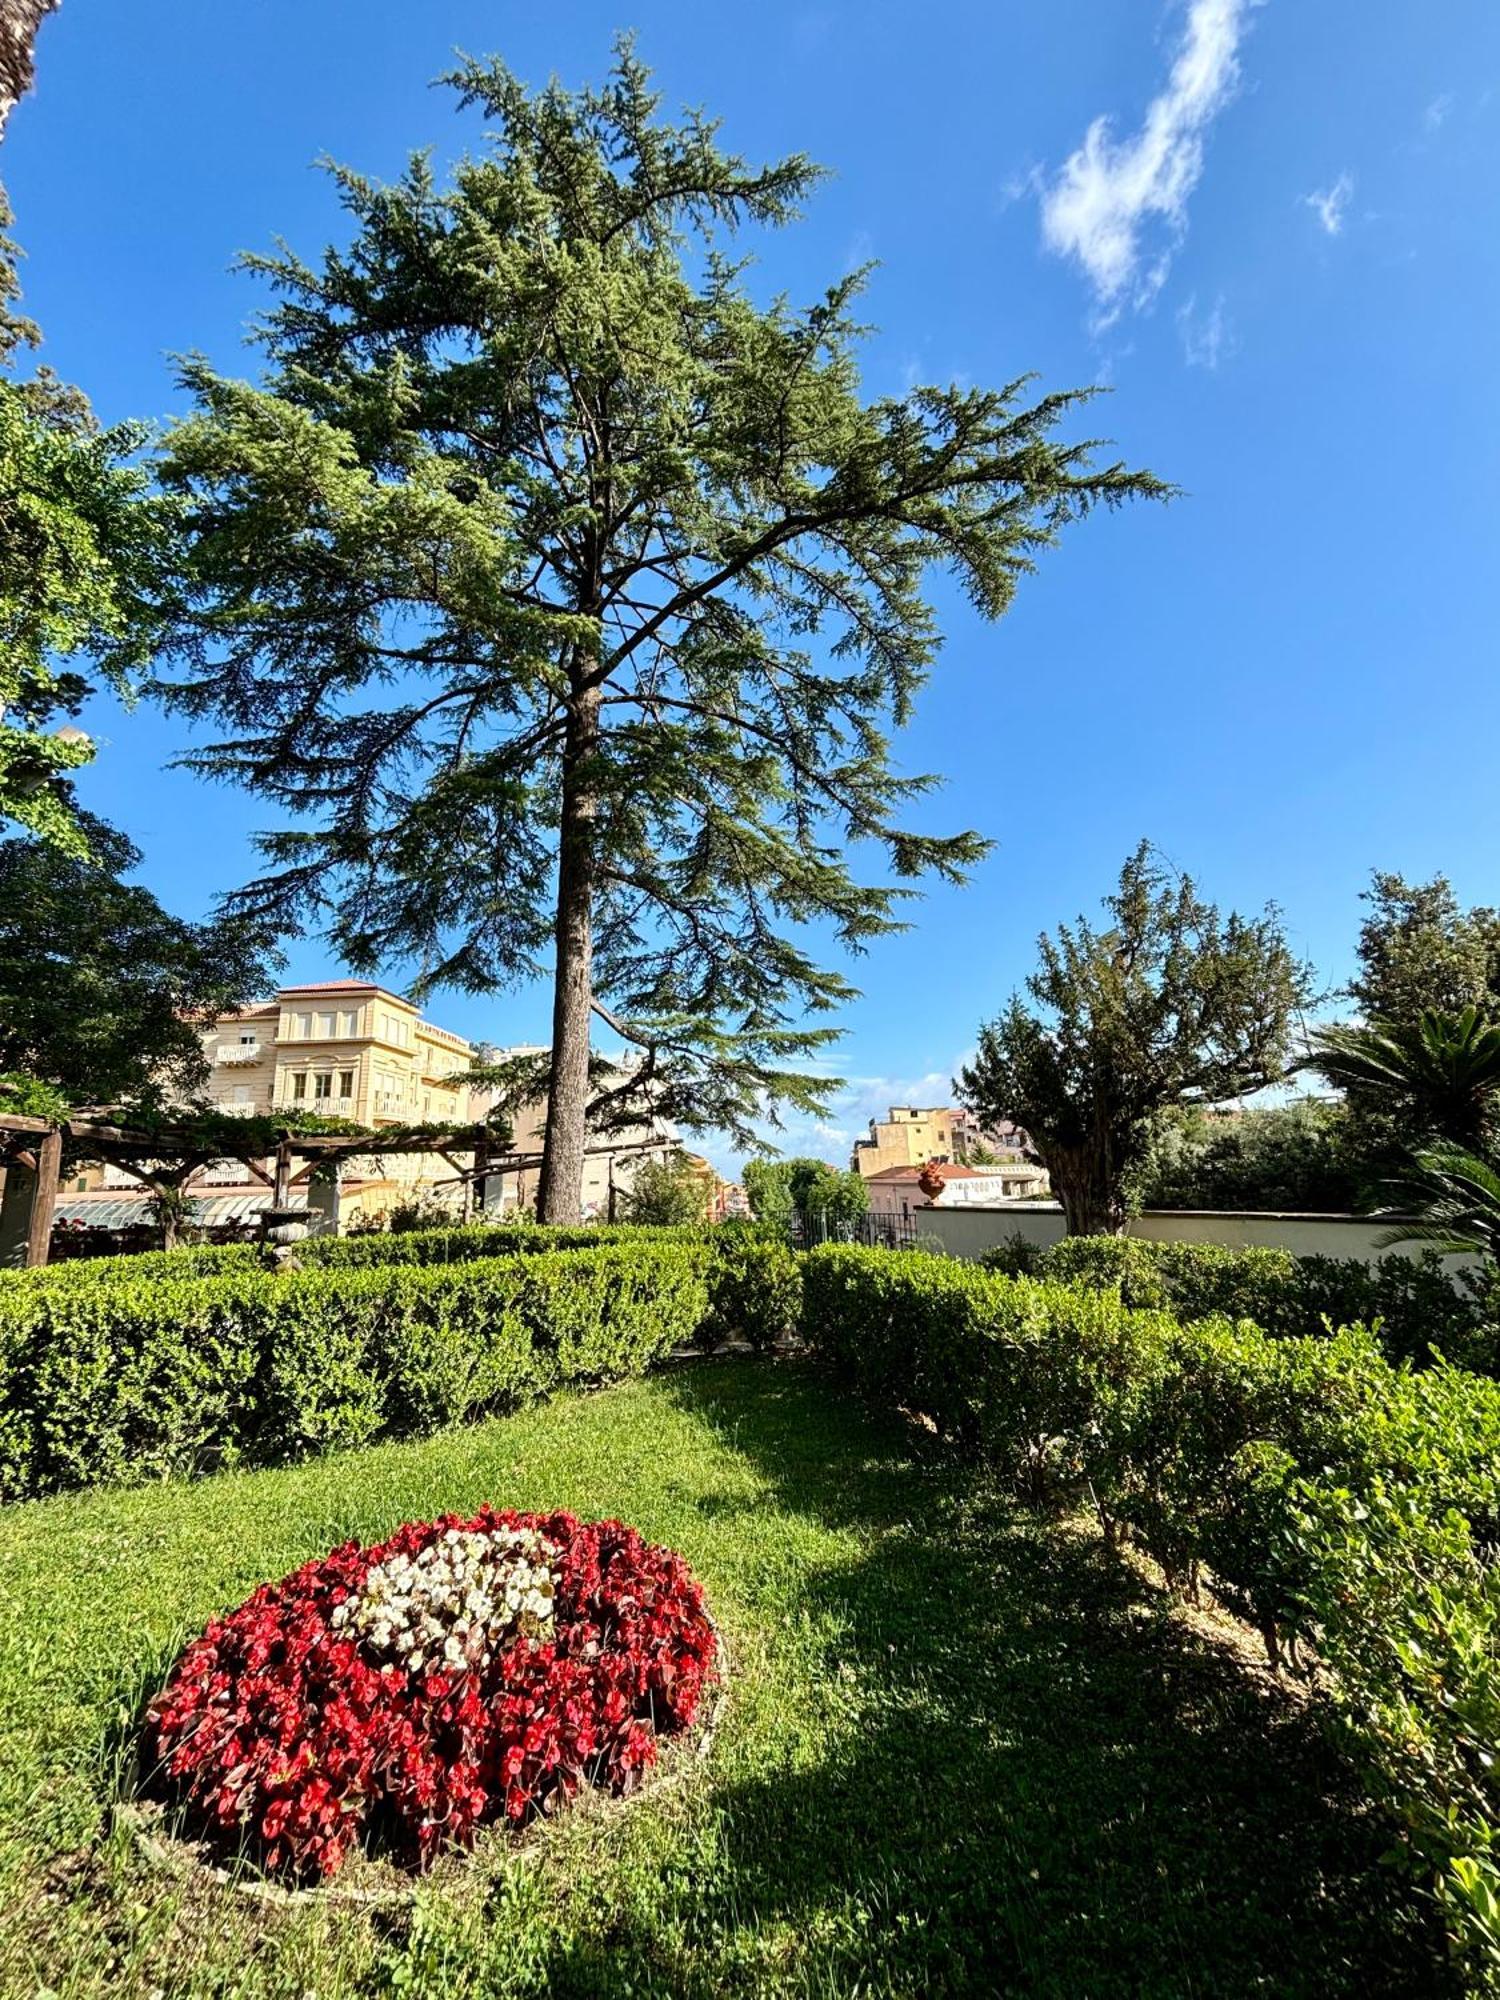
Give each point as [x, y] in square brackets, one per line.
[281, 1192]
[44, 1198]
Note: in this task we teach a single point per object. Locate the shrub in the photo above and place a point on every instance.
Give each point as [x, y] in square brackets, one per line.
[191, 1261]
[1342, 1503]
[754, 1289]
[460, 1673]
[145, 1377]
[459, 1243]
[1415, 1302]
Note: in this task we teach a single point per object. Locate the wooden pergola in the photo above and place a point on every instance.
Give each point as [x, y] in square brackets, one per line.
[36, 1145]
[32, 1150]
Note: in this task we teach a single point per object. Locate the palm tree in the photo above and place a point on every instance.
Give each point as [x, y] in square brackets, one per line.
[1444, 1073]
[1455, 1196]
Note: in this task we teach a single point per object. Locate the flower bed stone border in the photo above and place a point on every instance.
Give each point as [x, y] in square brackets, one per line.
[193, 1861]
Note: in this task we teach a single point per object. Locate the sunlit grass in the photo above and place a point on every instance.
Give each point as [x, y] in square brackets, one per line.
[963, 1751]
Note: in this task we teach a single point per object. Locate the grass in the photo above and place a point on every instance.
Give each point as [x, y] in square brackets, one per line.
[964, 1752]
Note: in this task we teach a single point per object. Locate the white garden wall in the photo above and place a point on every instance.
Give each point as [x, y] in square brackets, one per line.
[969, 1232]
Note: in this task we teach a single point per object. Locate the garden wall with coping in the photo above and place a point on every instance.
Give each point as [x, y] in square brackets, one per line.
[969, 1232]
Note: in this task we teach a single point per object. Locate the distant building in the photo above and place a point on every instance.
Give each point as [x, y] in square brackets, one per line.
[911, 1136]
[897, 1191]
[732, 1204]
[609, 1166]
[342, 1048]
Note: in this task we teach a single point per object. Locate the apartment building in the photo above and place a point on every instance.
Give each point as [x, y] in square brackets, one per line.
[341, 1048]
[346, 1048]
[911, 1136]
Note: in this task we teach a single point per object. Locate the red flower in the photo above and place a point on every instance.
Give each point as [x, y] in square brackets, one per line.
[278, 1731]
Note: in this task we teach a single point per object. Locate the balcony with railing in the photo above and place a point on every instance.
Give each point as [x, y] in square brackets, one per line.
[238, 1052]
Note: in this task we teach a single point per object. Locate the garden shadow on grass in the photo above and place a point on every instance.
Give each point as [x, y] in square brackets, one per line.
[1054, 1786]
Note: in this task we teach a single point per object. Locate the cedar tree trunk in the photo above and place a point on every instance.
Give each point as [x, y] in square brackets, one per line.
[560, 1198]
[1082, 1181]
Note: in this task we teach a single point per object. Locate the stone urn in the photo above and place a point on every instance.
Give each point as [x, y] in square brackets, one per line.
[930, 1181]
[283, 1225]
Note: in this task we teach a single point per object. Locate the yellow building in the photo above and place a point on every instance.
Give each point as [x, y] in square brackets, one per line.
[345, 1048]
[910, 1136]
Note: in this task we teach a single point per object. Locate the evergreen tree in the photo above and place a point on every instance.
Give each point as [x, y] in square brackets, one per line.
[1168, 1004]
[80, 541]
[102, 991]
[1420, 951]
[567, 590]
[19, 22]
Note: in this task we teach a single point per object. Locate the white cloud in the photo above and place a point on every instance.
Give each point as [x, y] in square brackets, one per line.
[1120, 207]
[1436, 114]
[1207, 337]
[1328, 204]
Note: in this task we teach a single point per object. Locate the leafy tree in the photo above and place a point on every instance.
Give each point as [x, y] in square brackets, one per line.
[1167, 1004]
[1420, 954]
[767, 1185]
[102, 993]
[666, 1193]
[1419, 951]
[564, 592]
[836, 1193]
[19, 22]
[80, 544]
[779, 1189]
[1285, 1156]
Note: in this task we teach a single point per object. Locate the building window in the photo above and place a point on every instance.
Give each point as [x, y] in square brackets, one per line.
[323, 1083]
[299, 1085]
[302, 1026]
[247, 1038]
[346, 1083]
[351, 1021]
[328, 1026]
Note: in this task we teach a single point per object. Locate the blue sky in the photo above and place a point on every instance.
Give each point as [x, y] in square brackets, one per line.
[1279, 250]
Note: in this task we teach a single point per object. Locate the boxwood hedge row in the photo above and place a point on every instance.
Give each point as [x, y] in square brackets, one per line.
[1349, 1507]
[1414, 1302]
[160, 1374]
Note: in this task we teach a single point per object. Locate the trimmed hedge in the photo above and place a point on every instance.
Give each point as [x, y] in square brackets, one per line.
[459, 1244]
[1413, 1302]
[466, 1241]
[158, 1375]
[1341, 1503]
[191, 1261]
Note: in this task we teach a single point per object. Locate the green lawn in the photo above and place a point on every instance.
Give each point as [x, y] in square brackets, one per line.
[963, 1752]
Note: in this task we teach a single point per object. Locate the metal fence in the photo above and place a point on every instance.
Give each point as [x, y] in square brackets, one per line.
[809, 1227]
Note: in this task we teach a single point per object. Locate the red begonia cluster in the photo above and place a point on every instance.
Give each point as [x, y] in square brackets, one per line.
[290, 1737]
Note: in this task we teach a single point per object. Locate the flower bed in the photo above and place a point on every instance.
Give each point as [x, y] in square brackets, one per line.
[409, 1693]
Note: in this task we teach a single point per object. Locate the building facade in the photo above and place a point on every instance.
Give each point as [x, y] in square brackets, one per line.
[340, 1049]
[609, 1165]
[910, 1136]
[897, 1191]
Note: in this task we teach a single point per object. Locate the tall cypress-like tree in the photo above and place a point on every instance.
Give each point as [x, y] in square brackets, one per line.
[568, 590]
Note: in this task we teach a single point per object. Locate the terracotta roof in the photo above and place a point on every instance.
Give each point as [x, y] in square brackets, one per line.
[343, 986]
[946, 1169]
